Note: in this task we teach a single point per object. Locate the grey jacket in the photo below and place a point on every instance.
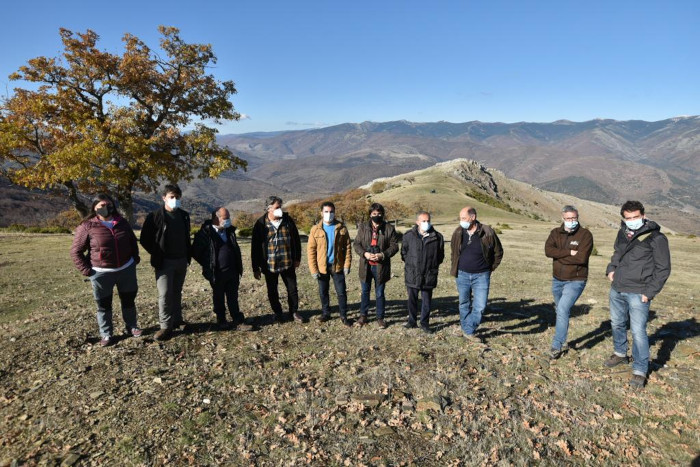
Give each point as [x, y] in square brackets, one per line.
[641, 263]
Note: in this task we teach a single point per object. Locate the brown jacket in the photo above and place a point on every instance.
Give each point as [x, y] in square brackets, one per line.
[565, 266]
[97, 245]
[317, 248]
[490, 246]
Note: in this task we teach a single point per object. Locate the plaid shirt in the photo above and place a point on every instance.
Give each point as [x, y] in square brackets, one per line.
[279, 247]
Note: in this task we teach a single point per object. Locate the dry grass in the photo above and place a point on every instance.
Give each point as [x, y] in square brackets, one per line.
[327, 395]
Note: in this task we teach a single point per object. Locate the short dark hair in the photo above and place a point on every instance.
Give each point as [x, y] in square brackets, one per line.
[376, 207]
[631, 206]
[172, 188]
[471, 211]
[422, 213]
[99, 197]
[329, 204]
[272, 200]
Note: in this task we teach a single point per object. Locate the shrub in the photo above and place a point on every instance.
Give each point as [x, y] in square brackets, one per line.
[245, 232]
[594, 252]
[378, 187]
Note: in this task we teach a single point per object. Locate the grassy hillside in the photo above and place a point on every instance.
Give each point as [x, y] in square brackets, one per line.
[323, 394]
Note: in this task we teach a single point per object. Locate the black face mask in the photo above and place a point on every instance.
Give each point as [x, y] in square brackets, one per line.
[377, 219]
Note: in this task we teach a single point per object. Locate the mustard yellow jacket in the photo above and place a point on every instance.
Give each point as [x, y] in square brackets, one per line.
[318, 245]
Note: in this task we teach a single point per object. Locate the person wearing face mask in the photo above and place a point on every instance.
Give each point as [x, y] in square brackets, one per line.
[422, 250]
[375, 243]
[275, 251]
[166, 236]
[216, 249]
[638, 270]
[329, 252]
[105, 250]
[570, 247]
[476, 253]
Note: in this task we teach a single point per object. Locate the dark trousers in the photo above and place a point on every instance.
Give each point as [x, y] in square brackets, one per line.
[225, 290]
[426, 297]
[324, 282]
[289, 277]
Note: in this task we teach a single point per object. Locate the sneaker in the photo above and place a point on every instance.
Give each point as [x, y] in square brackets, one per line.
[324, 318]
[410, 325]
[135, 332]
[637, 382]
[106, 340]
[163, 334]
[381, 323]
[426, 329]
[615, 360]
[298, 318]
[362, 320]
[555, 353]
[346, 322]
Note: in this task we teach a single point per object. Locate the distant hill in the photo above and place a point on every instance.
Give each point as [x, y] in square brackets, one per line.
[607, 161]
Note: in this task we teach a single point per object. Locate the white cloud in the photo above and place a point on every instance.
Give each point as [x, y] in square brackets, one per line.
[245, 117]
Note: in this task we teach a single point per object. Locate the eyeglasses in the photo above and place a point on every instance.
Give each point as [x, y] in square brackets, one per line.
[570, 219]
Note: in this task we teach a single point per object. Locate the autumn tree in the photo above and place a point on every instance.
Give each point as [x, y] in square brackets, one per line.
[96, 121]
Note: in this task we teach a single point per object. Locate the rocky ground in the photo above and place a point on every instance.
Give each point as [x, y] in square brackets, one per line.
[323, 394]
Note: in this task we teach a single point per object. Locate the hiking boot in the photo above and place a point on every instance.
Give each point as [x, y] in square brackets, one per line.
[426, 329]
[410, 325]
[324, 318]
[135, 332]
[181, 324]
[346, 322]
[224, 325]
[106, 340]
[163, 334]
[637, 382]
[381, 323]
[298, 318]
[615, 360]
[362, 320]
[555, 353]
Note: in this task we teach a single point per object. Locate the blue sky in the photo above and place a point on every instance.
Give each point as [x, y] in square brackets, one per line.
[302, 64]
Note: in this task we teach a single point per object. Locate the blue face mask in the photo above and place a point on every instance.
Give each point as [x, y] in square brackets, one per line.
[635, 224]
[174, 203]
[571, 225]
[226, 223]
[425, 226]
[465, 224]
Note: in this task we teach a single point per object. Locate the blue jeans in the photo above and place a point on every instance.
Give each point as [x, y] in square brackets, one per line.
[565, 295]
[470, 309]
[378, 292]
[622, 306]
[323, 289]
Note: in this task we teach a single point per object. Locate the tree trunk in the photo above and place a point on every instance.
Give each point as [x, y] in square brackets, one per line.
[78, 203]
[126, 205]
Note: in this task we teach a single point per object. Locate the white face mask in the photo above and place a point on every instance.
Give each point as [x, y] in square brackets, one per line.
[425, 226]
[465, 224]
[635, 224]
[173, 203]
[226, 223]
[328, 217]
[571, 225]
[277, 213]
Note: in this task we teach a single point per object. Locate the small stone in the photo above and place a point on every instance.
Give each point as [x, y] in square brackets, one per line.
[432, 403]
[384, 431]
[206, 401]
[342, 399]
[158, 380]
[369, 400]
[96, 394]
[71, 459]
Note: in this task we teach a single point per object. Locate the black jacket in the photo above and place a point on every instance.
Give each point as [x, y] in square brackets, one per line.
[153, 234]
[205, 250]
[423, 257]
[258, 242]
[642, 263]
[388, 244]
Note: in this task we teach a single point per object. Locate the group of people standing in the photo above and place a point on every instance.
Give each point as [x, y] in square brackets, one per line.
[105, 249]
